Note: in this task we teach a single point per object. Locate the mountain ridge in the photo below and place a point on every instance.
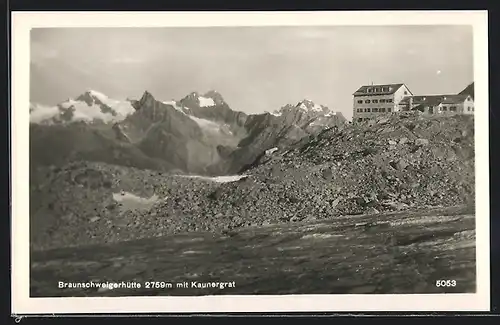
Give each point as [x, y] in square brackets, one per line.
[199, 133]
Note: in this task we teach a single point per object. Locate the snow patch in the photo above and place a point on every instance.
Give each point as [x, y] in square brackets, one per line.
[270, 151]
[68, 103]
[316, 122]
[206, 102]
[173, 103]
[319, 236]
[206, 124]
[82, 111]
[217, 179]
[40, 113]
[98, 95]
[317, 108]
[275, 113]
[309, 105]
[130, 201]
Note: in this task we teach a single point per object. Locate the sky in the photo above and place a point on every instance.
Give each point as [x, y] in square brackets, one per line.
[255, 69]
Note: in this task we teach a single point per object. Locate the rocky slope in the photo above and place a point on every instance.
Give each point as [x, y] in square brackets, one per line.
[396, 163]
[165, 131]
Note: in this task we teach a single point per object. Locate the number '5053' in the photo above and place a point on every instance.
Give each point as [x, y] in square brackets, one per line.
[446, 283]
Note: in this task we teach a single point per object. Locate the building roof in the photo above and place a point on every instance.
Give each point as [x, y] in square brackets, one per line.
[435, 99]
[469, 90]
[386, 89]
[456, 99]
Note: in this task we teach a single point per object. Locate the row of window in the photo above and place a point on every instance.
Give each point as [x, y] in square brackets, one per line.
[378, 89]
[374, 110]
[374, 101]
[452, 109]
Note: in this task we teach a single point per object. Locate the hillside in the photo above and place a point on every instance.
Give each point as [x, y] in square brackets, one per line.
[397, 163]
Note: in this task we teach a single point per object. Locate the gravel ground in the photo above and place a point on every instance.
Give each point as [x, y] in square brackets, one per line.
[402, 252]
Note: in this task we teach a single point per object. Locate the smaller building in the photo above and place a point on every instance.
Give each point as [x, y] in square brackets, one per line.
[439, 104]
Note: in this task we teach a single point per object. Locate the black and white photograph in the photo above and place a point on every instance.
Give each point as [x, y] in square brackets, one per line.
[252, 160]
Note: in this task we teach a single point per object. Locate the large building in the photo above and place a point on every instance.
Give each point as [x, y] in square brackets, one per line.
[374, 100]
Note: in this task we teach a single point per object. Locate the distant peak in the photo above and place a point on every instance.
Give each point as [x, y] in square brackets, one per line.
[216, 96]
[193, 94]
[306, 101]
[309, 105]
[91, 97]
[209, 99]
[96, 93]
[146, 99]
[147, 95]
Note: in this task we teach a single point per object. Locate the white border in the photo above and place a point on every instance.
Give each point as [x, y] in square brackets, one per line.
[22, 22]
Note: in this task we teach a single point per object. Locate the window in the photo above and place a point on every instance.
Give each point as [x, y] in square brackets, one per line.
[367, 101]
[406, 93]
[389, 109]
[369, 90]
[445, 109]
[375, 109]
[360, 101]
[367, 110]
[377, 90]
[375, 101]
[388, 100]
[382, 100]
[453, 109]
[382, 110]
[360, 119]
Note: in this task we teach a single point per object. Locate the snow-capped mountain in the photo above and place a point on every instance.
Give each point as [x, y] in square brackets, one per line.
[281, 128]
[199, 133]
[91, 106]
[308, 115]
[306, 106]
[194, 100]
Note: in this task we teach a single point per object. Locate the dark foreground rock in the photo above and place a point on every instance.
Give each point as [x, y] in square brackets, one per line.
[384, 253]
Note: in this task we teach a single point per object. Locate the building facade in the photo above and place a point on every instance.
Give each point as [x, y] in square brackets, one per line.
[375, 100]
